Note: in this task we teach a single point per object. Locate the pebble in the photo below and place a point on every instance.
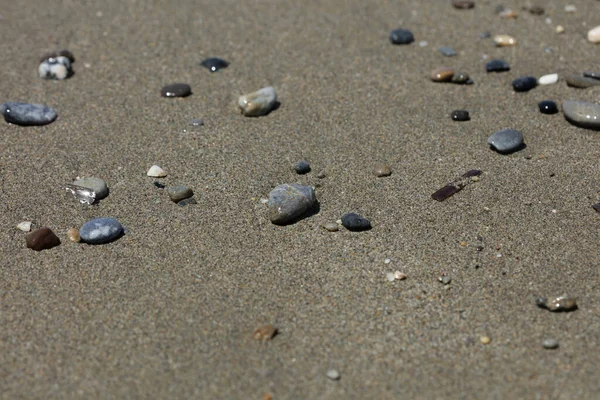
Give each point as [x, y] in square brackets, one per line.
[506, 141]
[550, 344]
[214, 64]
[390, 276]
[524, 83]
[463, 4]
[505, 40]
[585, 115]
[156, 172]
[445, 279]
[497, 66]
[176, 90]
[460, 115]
[570, 8]
[536, 10]
[485, 339]
[73, 235]
[100, 230]
[196, 122]
[560, 29]
[24, 226]
[258, 103]
[355, 222]
[594, 35]
[188, 201]
[178, 193]
[581, 82]
[27, 114]
[548, 79]
[548, 107]
[302, 167]
[560, 303]
[447, 51]
[331, 227]
[399, 275]
[264, 333]
[401, 36]
[442, 74]
[290, 202]
[333, 374]
[461, 78]
[62, 53]
[592, 74]
[42, 239]
[508, 14]
[58, 68]
[380, 170]
[97, 185]
[83, 194]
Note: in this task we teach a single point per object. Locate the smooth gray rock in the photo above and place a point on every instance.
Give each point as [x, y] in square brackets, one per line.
[101, 230]
[258, 103]
[288, 203]
[581, 82]
[506, 141]
[27, 114]
[95, 184]
[580, 113]
[178, 193]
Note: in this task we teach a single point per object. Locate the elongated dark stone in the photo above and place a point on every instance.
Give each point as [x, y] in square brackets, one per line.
[176, 90]
[524, 83]
[27, 114]
[214, 64]
[445, 192]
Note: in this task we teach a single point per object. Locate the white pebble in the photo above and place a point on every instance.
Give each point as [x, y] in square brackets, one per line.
[25, 226]
[560, 29]
[387, 261]
[548, 79]
[594, 35]
[390, 276]
[156, 172]
[333, 374]
[570, 8]
[258, 103]
[423, 43]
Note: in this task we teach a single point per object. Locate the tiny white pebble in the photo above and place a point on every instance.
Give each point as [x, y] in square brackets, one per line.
[264, 201]
[423, 43]
[339, 222]
[25, 226]
[570, 8]
[499, 255]
[390, 276]
[548, 21]
[554, 211]
[486, 209]
[548, 79]
[156, 172]
[387, 261]
[333, 374]
[560, 29]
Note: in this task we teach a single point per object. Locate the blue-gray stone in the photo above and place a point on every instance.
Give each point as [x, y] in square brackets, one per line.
[27, 114]
[101, 230]
[447, 51]
[524, 83]
[355, 222]
[580, 113]
[302, 167]
[401, 36]
[288, 203]
[506, 141]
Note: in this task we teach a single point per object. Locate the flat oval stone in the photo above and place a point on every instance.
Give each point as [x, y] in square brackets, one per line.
[442, 74]
[290, 202]
[258, 103]
[581, 82]
[463, 4]
[381, 170]
[100, 230]
[580, 113]
[594, 34]
[178, 193]
[548, 79]
[506, 141]
[505, 40]
[460, 115]
[302, 167]
[214, 64]
[355, 222]
[524, 83]
[548, 107]
[176, 90]
[95, 184]
[462, 78]
[26, 114]
[497, 66]
[42, 239]
[401, 36]
[550, 344]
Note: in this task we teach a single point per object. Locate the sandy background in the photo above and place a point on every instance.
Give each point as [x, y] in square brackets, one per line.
[168, 310]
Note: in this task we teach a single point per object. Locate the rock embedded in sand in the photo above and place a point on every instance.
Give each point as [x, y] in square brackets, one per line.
[497, 66]
[506, 141]
[460, 115]
[580, 113]
[536, 10]
[381, 170]
[42, 239]
[331, 227]
[290, 202]
[178, 193]
[548, 107]
[101, 230]
[524, 83]
[214, 64]
[97, 185]
[463, 4]
[302, 167]
[594, 34]
[258, 103]
[26, 114]
[581, 82]
[548, 79]
[58, 68]
[401, 36]
[176, 90]
[156, 172]
[505, 40]
[442, 74]
[355, 222]
[559, 303]
[333, 374]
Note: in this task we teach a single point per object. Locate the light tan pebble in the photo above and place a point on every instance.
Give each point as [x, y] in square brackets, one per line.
[594, 35]
[442, 74]
[380, 170]
[73, 235]
[505, 40]
[485, 339]
[508, 14]
[339, 222]
[264, 333]
[560, 29]
[24, 226]
[156, 172]
[331, 227]
[399, 275]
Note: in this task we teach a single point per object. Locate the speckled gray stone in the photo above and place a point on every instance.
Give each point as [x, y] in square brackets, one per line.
[27, 114]
[506, 141]
[290, 202]
[101, 230]
[580, 113]
[95, 184]
[178, 193]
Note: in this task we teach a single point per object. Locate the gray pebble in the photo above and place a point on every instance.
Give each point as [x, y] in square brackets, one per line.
[101, 230]
[580, 113]
[27, 114]
[506, 141]
[178, 193]
[196, 122]
[185, 202]
[445, 279]
[95, 184]
[447, 51]
[581, 82]
[331, 227]
[333, 374]
[550, 343]
[288, 203]
[302, 167]
[558, 303]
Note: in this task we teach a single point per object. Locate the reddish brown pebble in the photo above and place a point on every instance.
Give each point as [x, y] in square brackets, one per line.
[381, 170]
[42, 239]
[265, 333]
[73, 235]
[442, 74]
[463, 4]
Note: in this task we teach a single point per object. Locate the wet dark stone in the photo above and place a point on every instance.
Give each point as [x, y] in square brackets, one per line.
[159, 185]
[214, 64]
[506, 141]
[355, 222]
[596, 207]
[42, 239]
[401, 36]
[497, 66]
[25, 114]
[592, 74]
[548, 107]
[445, 192]
[524, 83]
[176, 90]
[460, 115]
[302, 167]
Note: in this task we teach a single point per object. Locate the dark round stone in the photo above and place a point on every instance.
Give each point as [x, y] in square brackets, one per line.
[176, 90]
[355, 222]
[497, 66]
[460, 115]
[524, 83]
[548, 107]
[302, 167]
[401, 36]
[214, 64]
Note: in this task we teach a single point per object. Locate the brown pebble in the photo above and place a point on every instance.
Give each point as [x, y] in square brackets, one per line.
[265, 333]
[508, 14]
[73, 235]
[381, 169]
[442, 74]
[505, 40]
[42, 239]
[463, 4]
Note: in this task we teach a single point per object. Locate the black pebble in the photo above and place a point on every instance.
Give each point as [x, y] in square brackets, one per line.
[176, 90]
[548, 107]
[524, 83]
[497, 66]
[302, 167]
[355, 222]
[159, 185]
[214, 64]
[401, 36]
[460, 115]
[592, 74]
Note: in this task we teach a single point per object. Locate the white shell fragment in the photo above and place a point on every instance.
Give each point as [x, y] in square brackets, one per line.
[156, 172]
[258, 103]
[548, 79]
[83, 194]
[24, 226]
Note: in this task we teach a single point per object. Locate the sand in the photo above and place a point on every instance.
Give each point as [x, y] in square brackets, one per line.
[168, 310]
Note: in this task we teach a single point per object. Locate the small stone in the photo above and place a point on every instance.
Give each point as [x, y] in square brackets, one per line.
[548, 107]
[447, 51]
[390, 276]
[485, 339]
[462, 78]
[97, 185]
[581, 82]
[463, 4]
[580, 113]
[559, 303]
[156, 172]
[505, 40]
[176, 90]
[550, 344]
[24, 226]
[497, 66]
[442, 74]
[264, 333]
[445, 279]
[214, 64]
[508, 14]
[42, 239]
[592, 74]
[401, 36]
[73, 235]
[196, 122]
[25, 114]
[62, 53]
[58, 68]
[178, 193]
[460, 115]
[159, 185]
[536, 10]
[355, 222]
[560, 29]
[186, 202]
[331, 227]
[570, 8]
[302, 167]
[333, 374]
[506, 141]
[288, 203]
[423, 43]
[594, 35]
[258, 103]
[548, 79]
[524, 83]
[399, 276]
[380, 170]
[101, 230]
[321, 175]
